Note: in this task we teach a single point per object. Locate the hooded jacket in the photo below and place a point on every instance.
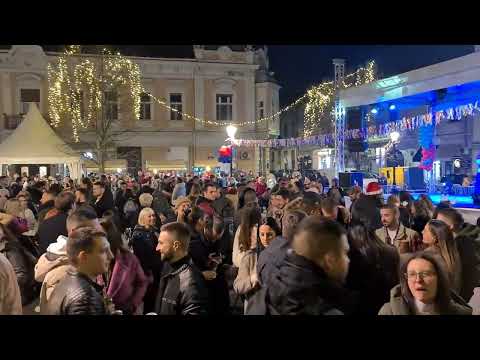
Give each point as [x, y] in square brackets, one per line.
[51, 268]
[398, 305]
[406, 241]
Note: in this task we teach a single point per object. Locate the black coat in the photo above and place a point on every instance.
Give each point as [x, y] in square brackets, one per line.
[199, 251]
[144, 244]
[43, 209]
[50, 229]
[76, 294]
[182, 290]
[373, 277]
[23, 263]
[302, 288]
[367, 207]
[104, 204]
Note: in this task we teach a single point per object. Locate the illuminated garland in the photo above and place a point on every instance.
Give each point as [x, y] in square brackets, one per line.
[75, 78]
[422, 121]
[320, 98]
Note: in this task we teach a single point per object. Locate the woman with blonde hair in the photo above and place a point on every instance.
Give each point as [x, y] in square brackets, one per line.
[143, 243]
[19, 209]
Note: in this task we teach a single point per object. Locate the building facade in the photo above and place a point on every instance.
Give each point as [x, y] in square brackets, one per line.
[220, 83]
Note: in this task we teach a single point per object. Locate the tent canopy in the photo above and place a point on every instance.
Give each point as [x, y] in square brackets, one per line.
[35, 142]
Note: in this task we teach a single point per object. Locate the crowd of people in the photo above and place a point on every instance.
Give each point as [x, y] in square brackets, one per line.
[214, 245]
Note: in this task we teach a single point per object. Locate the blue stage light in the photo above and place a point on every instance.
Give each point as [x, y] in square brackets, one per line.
[392, 107]
[374, 111]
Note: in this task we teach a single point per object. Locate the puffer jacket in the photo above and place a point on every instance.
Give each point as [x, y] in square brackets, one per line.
[51, 268]
[398, 305]
[76, 294]
[182, 290]
[468, 244]
[302, 288]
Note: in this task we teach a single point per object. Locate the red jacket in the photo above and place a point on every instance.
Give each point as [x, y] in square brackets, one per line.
[260, 188]
[128, 283]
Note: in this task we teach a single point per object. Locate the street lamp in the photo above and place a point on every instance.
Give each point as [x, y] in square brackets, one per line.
[231, 131]
[394, 137]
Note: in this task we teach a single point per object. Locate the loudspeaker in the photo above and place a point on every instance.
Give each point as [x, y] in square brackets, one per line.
[348, 180]
[414, 178]
[354, 121]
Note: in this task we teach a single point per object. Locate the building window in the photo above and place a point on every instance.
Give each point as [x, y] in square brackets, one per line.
[28, 96]
[177, 104]
[145, 107]
[224, 107]
[111, 105]
[261, 110]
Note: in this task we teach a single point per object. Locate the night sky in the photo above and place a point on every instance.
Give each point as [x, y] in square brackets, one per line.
[297, 67]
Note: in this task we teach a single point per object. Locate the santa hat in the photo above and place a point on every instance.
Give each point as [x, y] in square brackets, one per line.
[373, 189]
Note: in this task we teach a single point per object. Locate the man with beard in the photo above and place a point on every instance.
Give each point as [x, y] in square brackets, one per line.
[182, 290]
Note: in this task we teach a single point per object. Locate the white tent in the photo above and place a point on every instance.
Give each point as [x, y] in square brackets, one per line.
[35, 142]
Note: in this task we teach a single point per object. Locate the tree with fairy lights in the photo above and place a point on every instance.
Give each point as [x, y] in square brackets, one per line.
[320, 100]
[85, 92]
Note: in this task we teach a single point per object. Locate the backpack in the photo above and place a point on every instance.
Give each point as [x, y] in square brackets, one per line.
[130, 207]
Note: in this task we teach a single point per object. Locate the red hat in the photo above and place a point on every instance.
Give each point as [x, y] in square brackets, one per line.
[373, 189]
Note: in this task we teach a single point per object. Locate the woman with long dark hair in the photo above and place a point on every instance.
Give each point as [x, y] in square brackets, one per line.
[246, 282]
[246, 233]
[406, 205]
[421, 216]
[373, 267]
[424, 290]
[439, 239]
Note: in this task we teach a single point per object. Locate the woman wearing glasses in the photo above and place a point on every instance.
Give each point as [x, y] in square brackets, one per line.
[424, 290]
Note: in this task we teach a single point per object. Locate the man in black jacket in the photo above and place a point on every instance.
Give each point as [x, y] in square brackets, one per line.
[51, 228]
[182, 290]
[311, 277]
[77, 293]
[103, 198]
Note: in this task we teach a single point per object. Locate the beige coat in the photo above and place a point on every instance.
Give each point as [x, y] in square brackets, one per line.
[246, 279]
[49, 273]
[405, 240]
[10, 299]
[398, 306]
